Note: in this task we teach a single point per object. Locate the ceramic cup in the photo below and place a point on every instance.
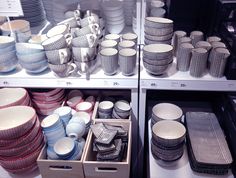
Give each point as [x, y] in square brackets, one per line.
[115, 37]
[196, 36]
[184, 56]
[71, 22]
[198, 62]
[126, 44]
[63, 70]
[203, 44]
[91, 28]
[130, 36]
[109, 44]
[85, 41]
[127, 61]
[76, 129]
[58, 29]
[60, 56]
[176, 36]
[109, 60]
[211, 39]
[55, 42]
[83, 54]
[88, 20]
[218, 62]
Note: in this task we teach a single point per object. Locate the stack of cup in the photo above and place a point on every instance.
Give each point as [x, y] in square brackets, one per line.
[131, 37]
[196, 36]
[184, 56]
[157, 8]
[109, 60]
[175, 41]
[158, 30]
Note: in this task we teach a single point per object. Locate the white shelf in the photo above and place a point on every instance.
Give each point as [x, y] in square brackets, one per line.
[177, 80]
[98, 79]
[180, 170]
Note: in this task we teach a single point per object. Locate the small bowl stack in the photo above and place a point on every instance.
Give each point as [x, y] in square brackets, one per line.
[8, 59]
[113, 13]
[32, 57]
[105, 109]
[21, 139]
[53, 129]
[157, 8]
[68, 149]
[158, 30]
[14, 97]
[166, 111]
[20, 28]
[157, 58]
[167, 143]
[45, 101]
[121, 110]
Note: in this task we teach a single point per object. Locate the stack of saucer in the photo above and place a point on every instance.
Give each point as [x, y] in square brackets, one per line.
[167, 143]
[158, 30]
[166, 111]
[113, 13]
[20, 28]
[157, 58]
[33, 12]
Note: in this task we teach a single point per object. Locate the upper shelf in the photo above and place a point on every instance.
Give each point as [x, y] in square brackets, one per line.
[176, 80]
[98, 79]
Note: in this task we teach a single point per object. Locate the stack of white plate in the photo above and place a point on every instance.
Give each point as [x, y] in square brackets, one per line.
[113, 13]
[158, 30]
[33, 12]
[20, 28]
[55, 10]
[129, 10]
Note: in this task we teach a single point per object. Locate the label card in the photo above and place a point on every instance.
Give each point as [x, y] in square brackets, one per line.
[11, 8]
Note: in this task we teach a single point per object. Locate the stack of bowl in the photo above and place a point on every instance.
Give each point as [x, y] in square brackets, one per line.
[20, 128]
[57, 50]
[129, 6]
[167, 143]
[65, 114]
[113, 13]
[157, 8]
[31, 57]
[158, 30]
[45, 101]
[68, 149]
[55, 10]
[8, 59]
[20, 28]
[33, 12]
[105, 109]
[157, 58]
[166, 111]
[79, 125]
[14, 97]
[121, 110]
[53, 129]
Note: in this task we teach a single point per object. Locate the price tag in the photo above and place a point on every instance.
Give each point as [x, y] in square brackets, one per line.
[11, 8]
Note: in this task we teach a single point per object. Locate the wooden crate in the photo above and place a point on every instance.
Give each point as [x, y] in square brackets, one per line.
[60, 168]
[98, 169]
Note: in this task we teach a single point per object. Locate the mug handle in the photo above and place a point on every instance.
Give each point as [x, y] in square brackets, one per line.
[68, 37]
[63, 55]
[77, 14]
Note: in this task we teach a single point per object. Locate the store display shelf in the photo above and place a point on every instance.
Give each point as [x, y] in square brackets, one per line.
[177, 80]
[20, 78]
[180, 170]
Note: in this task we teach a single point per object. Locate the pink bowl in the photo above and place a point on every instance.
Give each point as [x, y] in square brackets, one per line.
[48, 111]
[16, 121]
[17, 152]
[48, 104]
[54, 97]
[23, 170]
[74, 93]
[26, 102]
[22, 162]
[72, 102]
[11, 143]
[90, 99]
[45, 92]
[12, 97]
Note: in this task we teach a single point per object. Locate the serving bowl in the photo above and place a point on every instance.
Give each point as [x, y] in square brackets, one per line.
[169, 133]
[16, 121]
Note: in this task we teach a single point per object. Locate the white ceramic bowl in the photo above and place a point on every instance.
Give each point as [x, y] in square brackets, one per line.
[84, 106]
[16, 121]
[122, 106]
[167, 111]
[157, 50]
[64, 146]
[12, 97]
[168, 132]
[105, 106]
[6, 41]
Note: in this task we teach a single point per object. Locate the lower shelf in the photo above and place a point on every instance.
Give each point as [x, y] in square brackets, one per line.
[5, 174]
[179, 170]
